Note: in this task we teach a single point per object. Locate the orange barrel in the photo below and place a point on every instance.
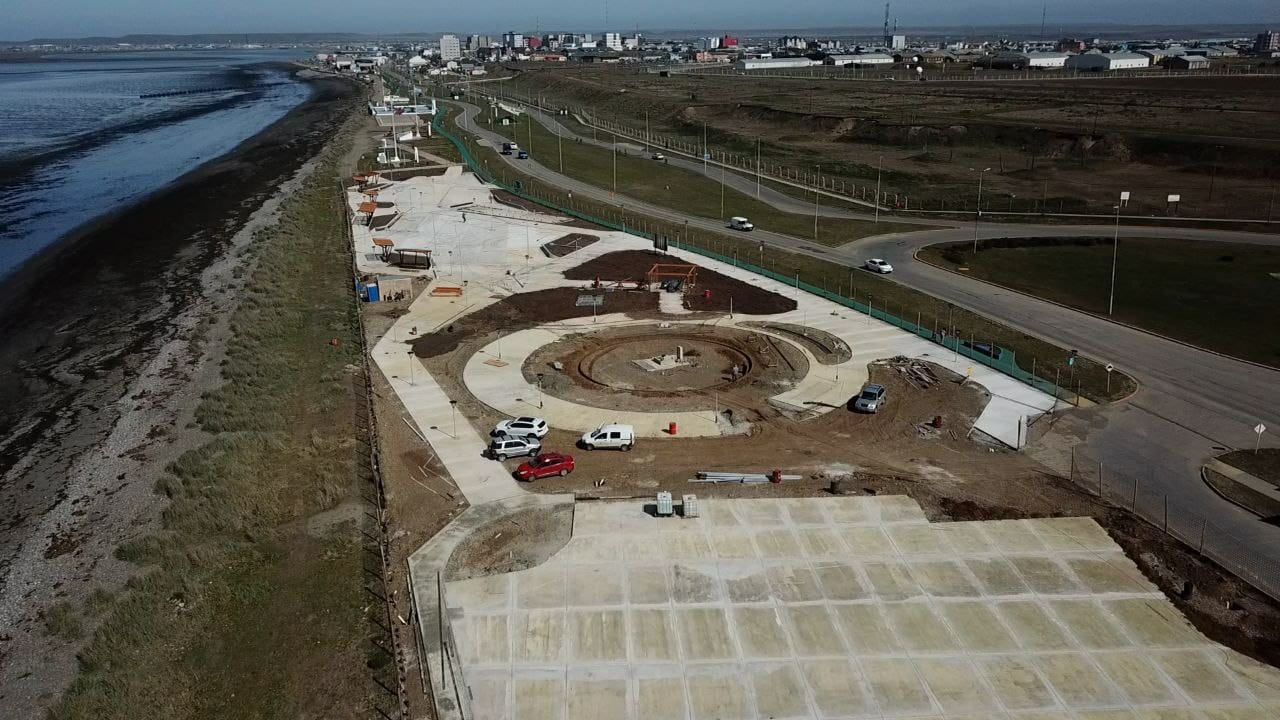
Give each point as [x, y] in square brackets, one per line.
[671, 428]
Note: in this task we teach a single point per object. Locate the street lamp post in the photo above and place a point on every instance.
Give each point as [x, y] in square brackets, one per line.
[817, 181]
[879, 164]
[453, 412]
[978, 215]
[1115, 247]
[539, 391]
[411, 367]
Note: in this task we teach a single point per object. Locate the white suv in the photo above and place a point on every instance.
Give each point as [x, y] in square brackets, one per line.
[522, 427]
[613, 435]
[502, 448]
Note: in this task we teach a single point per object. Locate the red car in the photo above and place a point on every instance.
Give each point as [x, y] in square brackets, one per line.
[545, 465]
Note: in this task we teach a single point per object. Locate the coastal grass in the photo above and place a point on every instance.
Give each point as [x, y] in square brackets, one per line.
[250, 602]
[674, 187]
[1086, 376]
[1212, 294]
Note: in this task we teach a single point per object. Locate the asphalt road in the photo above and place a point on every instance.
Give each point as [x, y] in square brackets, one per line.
[1191, 404]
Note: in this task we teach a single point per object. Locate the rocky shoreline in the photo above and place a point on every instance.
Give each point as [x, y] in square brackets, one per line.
[107, 347]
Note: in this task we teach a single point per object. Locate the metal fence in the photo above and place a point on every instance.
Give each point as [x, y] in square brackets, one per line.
[1187, 524]
[1181, 520]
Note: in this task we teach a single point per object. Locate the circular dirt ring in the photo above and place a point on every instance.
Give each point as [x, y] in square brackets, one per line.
[708, 363]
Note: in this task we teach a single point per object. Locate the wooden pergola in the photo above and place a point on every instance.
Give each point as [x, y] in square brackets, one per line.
[384, 246]
[672, 271]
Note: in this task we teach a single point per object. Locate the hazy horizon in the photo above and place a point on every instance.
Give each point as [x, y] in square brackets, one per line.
[74, 19]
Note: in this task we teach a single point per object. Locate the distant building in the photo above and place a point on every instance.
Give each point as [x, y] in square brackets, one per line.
[1030, 61]
[512, 40]
[613, 40]
[710, 43]
[939, 57]
[728, 41]
[774, 63]
[895, 42]
[450, 48]
[871, 59]
[1071, 45]
[1267, 42]
[792, 42]
[1106, 62]
[1187, 62]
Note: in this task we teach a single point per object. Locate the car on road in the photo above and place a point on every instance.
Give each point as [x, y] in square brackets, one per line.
[545, 465]
[871, 399]
[522, 155]
[741, 223]
[612, 435]
[658, 156]
[501, 448]
[522, 427]
[877, 265]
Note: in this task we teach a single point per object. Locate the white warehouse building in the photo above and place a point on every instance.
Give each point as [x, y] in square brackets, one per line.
[774, 63]
[1108, 61]
[1046, 60]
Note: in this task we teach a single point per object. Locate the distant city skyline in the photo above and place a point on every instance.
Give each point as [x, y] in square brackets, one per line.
[33, 19]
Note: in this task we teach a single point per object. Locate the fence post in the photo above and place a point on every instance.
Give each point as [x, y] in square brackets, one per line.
[1204, 522]
[1099, 478]
[1166, 514]
[1133, 508]
[1071, 474]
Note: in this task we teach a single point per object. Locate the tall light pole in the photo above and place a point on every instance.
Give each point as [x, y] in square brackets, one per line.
[722, 192]
[758, 171]
[1115, 247]
[704, 147]
[815, 204]
[615, 165]
[879, 164]
[978, 215]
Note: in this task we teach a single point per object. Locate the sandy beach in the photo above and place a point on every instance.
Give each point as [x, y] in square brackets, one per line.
[106, 344]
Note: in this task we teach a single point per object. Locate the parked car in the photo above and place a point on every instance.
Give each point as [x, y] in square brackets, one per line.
[658, 156]
[871, 399]
[545, 465]
[522, 427]
[522, 155]
[501, 448]
[613, 435]
[877, 265]
[741, 223]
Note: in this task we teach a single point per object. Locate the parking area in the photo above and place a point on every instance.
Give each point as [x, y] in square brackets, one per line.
[838, 607]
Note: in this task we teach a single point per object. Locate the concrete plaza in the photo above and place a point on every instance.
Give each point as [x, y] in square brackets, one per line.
[838, 608]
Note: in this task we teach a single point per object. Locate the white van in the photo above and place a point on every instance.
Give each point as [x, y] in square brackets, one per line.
[612, 435]
[740, 223]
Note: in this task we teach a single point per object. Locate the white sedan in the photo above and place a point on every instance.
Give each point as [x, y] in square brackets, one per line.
[878, 266]
[522, 427]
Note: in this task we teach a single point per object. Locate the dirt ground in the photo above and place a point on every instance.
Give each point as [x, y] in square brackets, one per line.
[529, 309]
[569, 243]
[518, 541]
[630, 266]
[1264, 464]
[598, 369]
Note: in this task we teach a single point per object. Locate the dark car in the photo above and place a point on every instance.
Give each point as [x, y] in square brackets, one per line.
[545, 465]
[522, 155]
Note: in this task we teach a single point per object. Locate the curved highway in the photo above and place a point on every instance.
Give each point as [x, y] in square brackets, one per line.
[1191, 404]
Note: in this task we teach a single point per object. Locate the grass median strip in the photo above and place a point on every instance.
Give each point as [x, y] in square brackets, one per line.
[1211, 294]
[657, 182]
[1050, 362]
[251, 601]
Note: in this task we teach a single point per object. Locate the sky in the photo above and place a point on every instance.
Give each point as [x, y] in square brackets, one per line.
[26, 19]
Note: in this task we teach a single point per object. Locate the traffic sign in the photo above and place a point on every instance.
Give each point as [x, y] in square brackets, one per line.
[1259, 429]
[1110, 367]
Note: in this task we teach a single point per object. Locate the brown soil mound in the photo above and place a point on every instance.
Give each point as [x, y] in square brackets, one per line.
[526, 310]
[631, 265]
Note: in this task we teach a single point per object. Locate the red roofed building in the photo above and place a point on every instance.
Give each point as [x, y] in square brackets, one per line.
[728, 41]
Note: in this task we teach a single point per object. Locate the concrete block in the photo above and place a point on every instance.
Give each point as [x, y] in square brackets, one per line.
[840, 581]
[867, 541]
[955, 684]
[813, 630]
[793, 583]
[538, 698]
[966, 538]
[599, 634]
[717, 694]
[1138, 680]
[760, 632]
[820, 542]
[744, 581]
[978, 627]
[543, 587]
[1077, 681]
[1089, 624]
[866, 629]
[694, 583]
[778, 691]
[653, 635]
[896, 687]
[891, 581]
[597, 699]
[777, 543]
[1154, 622]
[648, 585]
[919, 629]
[538, 636]
[943, 578]
[837, 688]
[1046, 576]
[1015, 682]
[590, 585]
[923, 539]
[660, 698]
[997, 576]
[1032, 626]
[704, 634]
[1200, 675]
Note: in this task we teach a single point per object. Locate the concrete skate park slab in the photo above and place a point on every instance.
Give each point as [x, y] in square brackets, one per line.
[852, 607]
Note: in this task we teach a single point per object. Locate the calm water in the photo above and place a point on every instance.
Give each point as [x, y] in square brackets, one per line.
[77, 142]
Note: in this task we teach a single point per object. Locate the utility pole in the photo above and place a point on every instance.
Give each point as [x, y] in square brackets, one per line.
[704, 147]
[1115, 248]
[615, 166]
[722, 192]
[815, 205]
[758, 176]
[978, 215]
[879, 164]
